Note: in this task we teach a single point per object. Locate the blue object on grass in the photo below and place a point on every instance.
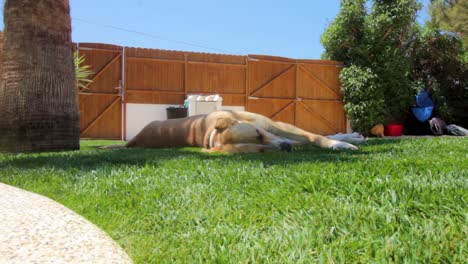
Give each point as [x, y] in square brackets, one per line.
[423, 99]
[422, 113]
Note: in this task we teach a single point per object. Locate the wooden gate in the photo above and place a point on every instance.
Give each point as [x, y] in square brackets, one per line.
[300, 92]
[100, 102]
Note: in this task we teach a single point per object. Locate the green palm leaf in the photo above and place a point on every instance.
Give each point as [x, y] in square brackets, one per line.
[82, 72]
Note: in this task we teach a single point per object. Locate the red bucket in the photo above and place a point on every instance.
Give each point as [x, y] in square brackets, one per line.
[393, 130]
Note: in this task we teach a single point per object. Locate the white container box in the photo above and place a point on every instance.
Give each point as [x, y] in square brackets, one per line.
[203, 104]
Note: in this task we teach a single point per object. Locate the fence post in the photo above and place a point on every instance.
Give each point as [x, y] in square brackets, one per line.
[122, 98]
[185, 75]
[247, 94]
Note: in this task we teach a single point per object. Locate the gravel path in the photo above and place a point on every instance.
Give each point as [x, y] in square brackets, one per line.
[35, 229]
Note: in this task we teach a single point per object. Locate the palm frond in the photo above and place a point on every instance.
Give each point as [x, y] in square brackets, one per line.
[82, 72]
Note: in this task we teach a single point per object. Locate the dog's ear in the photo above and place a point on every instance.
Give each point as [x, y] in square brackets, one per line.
[223, 123]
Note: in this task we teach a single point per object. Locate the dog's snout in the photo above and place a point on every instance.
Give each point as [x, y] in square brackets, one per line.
[285, 146]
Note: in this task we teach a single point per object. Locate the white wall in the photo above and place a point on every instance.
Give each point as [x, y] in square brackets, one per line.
[139, 115]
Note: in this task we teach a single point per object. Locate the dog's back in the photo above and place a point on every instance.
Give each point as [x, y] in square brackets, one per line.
[169, 133]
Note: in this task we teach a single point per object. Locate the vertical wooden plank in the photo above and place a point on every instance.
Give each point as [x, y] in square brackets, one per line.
[185, 74]
[123, 90]
[296, 87]
[247, 89]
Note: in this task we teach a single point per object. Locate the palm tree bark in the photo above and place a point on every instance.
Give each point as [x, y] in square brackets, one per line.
[38, 96]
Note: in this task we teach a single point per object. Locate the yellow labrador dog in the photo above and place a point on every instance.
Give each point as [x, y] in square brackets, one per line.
[230, 132]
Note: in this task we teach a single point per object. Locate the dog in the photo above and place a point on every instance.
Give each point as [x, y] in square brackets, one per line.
[229, 132]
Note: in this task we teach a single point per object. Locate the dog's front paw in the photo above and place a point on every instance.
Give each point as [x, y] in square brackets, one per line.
[343, 145]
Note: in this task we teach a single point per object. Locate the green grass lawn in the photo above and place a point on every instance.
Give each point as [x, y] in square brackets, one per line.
[392, 201]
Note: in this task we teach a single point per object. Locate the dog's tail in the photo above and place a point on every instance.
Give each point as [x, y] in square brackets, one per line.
[112, 147]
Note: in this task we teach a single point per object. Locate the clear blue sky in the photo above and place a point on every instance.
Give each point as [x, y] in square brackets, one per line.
[282, 28]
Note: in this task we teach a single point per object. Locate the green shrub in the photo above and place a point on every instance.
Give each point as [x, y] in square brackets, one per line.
[378, 87]
[363, 98]
[343, 37]
[438, 64]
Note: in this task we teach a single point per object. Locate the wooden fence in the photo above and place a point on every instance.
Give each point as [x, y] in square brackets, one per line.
[301, 92]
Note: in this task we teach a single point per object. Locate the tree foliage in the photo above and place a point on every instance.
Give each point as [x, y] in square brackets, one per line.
[451, 16]
[437, 64]
[360, 86]
[343, 38]
[372, 40]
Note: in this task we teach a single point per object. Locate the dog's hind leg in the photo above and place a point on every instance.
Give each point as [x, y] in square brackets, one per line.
[303, 137]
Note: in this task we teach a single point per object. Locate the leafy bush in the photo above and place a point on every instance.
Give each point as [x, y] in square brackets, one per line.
[364, 101]
[437, 63]
[451, 16]
[344, 36]
[395, 82]
[371, 41]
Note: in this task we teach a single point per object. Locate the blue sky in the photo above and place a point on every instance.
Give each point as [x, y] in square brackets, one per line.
[282, 28]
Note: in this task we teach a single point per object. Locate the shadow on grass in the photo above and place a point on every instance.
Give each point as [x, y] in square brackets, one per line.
[90, 158]
[382, 141]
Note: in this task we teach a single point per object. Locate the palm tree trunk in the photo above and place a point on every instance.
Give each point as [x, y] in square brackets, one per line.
[38, 96]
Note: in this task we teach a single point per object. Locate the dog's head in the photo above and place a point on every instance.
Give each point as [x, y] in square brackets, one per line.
[231, 131]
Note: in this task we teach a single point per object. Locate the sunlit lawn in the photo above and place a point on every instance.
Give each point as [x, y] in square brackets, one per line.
[392, 201]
